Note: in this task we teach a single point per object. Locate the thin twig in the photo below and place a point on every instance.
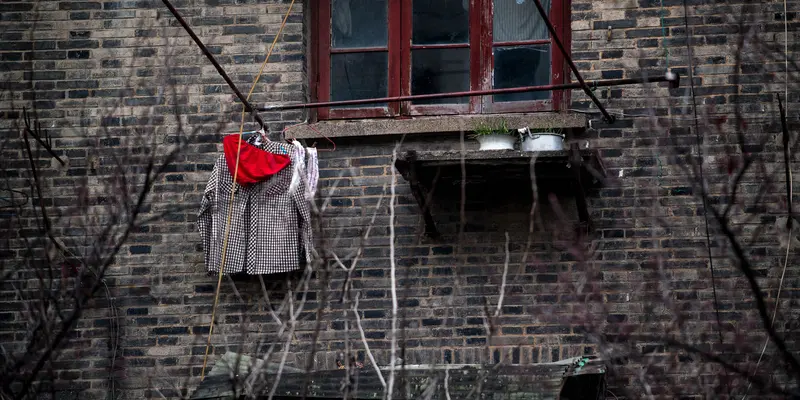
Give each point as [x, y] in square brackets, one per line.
[347, 281]
[392, 281]
[366, 345]
[447, 383]
[254, 382]
[287, 343]
[505, 274]
[267, 303]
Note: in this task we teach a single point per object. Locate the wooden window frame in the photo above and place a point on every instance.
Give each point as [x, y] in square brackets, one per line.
[399, 63]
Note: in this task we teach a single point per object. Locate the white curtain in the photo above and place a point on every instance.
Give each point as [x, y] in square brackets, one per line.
[342, 18]
[516, 20]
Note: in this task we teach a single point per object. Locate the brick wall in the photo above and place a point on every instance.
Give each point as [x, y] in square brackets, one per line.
[107, 73]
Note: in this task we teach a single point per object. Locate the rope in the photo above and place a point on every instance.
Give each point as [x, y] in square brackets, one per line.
[690, 55]
[666, 53]
[233, 191]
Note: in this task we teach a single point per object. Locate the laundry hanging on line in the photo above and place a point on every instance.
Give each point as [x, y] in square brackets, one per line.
[298, 168]
[270, 226]
[307, 168]
[313, 171]
[255, 164]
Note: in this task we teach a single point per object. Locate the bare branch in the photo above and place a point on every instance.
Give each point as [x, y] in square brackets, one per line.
[392, 281]
[366, 345]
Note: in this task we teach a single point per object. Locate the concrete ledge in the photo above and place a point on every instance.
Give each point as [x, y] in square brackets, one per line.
[449, 123]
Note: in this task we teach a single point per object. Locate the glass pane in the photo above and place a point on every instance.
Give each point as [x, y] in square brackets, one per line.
[521, 66]
[359, 76]
[440, 71]
[518, 20]
[440, 21]
[359, 23]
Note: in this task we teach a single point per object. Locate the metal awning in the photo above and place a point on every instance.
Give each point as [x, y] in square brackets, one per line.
[571, 171]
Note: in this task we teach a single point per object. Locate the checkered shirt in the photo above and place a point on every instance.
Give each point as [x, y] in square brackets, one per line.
[270, 230]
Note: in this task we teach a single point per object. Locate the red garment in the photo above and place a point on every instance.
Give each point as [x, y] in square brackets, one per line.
[255, 165]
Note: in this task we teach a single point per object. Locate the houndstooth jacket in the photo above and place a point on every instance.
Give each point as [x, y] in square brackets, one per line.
[270, 230]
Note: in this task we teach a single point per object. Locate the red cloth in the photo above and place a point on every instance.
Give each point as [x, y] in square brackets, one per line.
[255, 165]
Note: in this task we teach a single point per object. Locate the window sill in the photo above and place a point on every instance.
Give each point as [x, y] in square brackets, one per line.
[449, 123]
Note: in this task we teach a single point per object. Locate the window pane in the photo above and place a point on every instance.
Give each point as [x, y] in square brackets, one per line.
[518, 20]
[521, 66]
[440, 21]
[359, 76]
[440, 71]
[359, 23]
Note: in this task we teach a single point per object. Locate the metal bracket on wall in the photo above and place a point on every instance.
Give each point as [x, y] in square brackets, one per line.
[407, 166]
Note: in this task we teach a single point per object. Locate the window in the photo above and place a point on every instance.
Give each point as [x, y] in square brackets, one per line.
[384, 48]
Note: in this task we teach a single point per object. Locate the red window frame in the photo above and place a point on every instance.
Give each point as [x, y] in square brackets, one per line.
[399, 74]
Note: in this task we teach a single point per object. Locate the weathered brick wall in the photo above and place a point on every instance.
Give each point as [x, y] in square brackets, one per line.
[105, 71]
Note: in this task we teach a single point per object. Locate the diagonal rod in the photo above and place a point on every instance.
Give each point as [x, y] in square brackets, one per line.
[672, 78]
[609, 118]
[213, 60]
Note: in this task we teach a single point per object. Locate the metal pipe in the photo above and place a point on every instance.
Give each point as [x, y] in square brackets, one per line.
[672, 78]
[213, 60]
[609, 118]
